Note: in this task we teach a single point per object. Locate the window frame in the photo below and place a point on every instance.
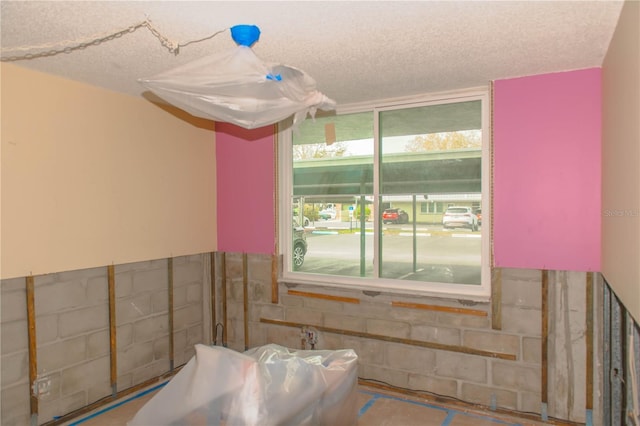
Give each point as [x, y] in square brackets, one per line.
[475, 292]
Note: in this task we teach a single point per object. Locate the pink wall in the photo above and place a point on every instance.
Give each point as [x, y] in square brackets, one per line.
[547, 171]
[245, 192]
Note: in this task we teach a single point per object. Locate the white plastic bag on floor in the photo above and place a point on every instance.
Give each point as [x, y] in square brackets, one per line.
[269, 385]
[235, 86]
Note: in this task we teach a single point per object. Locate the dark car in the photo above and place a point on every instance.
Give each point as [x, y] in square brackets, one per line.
[299, 245]
[478, 213]
[395, 216]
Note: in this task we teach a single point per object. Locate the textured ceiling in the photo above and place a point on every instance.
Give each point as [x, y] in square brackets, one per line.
[356, 51]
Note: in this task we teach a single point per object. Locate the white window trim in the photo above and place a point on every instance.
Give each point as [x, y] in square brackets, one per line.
[480, 292]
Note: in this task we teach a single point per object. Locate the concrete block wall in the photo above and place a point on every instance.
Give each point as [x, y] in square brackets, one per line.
[73, 338]
[490, 381]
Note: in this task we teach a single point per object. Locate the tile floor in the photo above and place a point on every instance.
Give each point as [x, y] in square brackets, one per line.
[377, 408]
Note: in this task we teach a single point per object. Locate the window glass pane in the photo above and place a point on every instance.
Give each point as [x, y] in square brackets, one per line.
[431, 154]
[405, 212]
[332, 178]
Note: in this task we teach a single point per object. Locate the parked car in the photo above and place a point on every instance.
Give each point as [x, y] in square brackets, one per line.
[299, 245]
[327, 214]
[395, 216]
[478, 213]
[460, 217]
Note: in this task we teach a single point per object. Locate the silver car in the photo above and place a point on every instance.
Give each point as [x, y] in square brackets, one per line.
[460, 217]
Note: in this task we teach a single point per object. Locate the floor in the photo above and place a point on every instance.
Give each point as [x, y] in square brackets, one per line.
[376, 408]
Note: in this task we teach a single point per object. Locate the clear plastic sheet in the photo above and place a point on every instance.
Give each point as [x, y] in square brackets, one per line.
[235, 86]
[268, 385]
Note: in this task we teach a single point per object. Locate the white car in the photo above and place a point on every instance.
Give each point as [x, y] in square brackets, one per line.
[460, 217]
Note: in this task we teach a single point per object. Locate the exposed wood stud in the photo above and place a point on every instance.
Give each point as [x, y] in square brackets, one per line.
[431, 345]
[545, 337]
[113, 354]
[274, 279]
[245, 299]
[223, 294]
[323, 296]
[589, 342]
[170, 298]
[450, 309]
[496, 298]
[33, 358]
[214, 328]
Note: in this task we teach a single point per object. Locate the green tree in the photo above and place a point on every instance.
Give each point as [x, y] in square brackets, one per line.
[446, 141]
[318, 150]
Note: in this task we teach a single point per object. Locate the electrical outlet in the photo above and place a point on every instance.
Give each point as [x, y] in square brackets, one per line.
[42, 386]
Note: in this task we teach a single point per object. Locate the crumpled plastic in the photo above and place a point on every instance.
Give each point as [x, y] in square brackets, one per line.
[268, 385]
[235, 86]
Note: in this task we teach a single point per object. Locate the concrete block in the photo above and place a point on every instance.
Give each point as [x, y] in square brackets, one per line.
[13, 304]
[389, 376]
[368, 310]
[453, 320]
[194, 293]
[329, 306]
[187, 316]
[133, 308]
[285, 336]
[437, 385]
[133, 357]
[330, 341]
[123, 283]
[194, 334]
[160, 302]
[486, 395]
[271, 311]
[46, 328]
[98, 344]
[405, 357]
[518, 320]
[15, 404]
[293, 301]
[516, 274]
[124, 336]
[431, 333]
[184, 274]
[388, 328]
[100, 389]
[522, 293]
[344, 322]
[530, 402]
[260, 291]
[179, 297]
[150, 328]
[63, 353]
[79, 321]
[124, 381]
[303, 316]
[55, 385]
[492, 341]
[414, 316]
[369, 351]
[14, 336]
[515, 376]
[259, 266]
[98, 289]
[12, 284]
[460, 366]
[81, 377]
[161, 348]
[59, 296]
[14, 368]
[532, 350]
[151, 280]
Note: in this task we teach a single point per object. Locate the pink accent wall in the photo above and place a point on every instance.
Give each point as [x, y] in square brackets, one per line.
[245, 189]
[547, 171]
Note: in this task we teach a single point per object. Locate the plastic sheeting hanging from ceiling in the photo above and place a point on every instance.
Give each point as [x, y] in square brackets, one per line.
[235, 86]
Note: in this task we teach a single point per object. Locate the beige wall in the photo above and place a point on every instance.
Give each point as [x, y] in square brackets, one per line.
[91, 177]
[621, 160]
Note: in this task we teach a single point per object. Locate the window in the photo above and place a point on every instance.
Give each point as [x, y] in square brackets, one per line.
[389, 197]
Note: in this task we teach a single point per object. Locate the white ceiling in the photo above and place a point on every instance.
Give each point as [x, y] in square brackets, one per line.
[356, 51]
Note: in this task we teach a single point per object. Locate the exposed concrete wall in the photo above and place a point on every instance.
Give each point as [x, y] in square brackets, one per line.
[73, 337]
[510, 384]
[73, 334]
